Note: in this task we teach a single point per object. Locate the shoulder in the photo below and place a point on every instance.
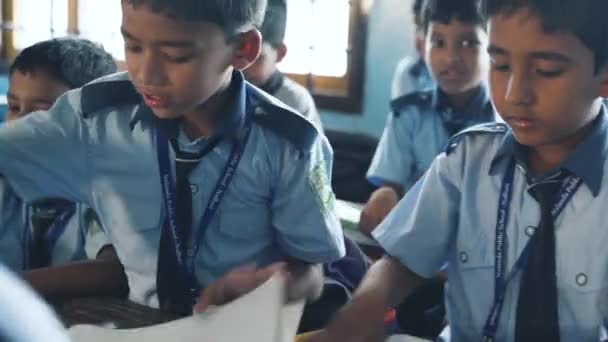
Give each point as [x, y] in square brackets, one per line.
[284, 121]
[295, 95]
[484, 132]
[109, 91]
[404, 65]
[421, 99]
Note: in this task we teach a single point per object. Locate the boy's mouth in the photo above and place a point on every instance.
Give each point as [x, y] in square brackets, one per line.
[451, 75]
[153, 101]
[520, 122]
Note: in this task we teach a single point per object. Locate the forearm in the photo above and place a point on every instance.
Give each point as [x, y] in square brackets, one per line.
[397, 188]
[103, 276]
[305, 281]
[386, 283]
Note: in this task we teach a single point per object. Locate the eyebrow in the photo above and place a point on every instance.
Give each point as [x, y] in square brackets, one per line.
[551, 56]
[495, 50]
[12, 96]
[167, 43]
[542, 55]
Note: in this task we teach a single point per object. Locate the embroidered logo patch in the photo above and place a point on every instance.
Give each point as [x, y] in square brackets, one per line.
[321, 186]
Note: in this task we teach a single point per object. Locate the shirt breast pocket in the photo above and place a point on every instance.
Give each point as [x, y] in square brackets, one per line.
[243, 220]
[473, 290]
[582, 282]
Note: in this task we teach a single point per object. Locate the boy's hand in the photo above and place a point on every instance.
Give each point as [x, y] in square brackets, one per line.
[377, 208]
[235, 284]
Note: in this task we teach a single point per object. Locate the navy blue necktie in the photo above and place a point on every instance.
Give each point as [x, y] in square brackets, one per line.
[43, 215]
[537, 317]
[177, 290]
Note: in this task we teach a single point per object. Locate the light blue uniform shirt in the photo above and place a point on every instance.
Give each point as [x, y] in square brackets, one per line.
[411, 75]
[76, 242]
[450, 216]
[417, 130]
[97, 146]
[12, 226]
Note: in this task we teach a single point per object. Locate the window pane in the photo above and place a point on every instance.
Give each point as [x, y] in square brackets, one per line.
[38, 20]
[320, 48]
[99, 21]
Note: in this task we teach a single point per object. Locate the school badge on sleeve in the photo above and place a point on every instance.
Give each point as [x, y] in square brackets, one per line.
[322, 187]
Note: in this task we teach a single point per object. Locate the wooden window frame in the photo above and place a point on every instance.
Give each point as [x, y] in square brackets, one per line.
[344, 94]
[9, 51]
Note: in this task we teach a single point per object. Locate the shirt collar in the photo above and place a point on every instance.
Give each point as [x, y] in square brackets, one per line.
[232, 120]
[476, 108]
[418, 68]
[274, 83]
[586, 161]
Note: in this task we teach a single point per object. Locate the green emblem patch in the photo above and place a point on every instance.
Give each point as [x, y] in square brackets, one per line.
[322, 187]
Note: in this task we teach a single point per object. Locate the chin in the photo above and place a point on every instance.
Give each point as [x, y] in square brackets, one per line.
[528, 138]
[454, 88]
[165, 113]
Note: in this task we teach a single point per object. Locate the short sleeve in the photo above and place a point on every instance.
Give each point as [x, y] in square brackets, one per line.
[303, 205]
[44, 154]
[420, 231]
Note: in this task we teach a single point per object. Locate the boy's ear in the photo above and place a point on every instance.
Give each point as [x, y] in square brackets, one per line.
[419, 41]
[281, 52]
[249, 45]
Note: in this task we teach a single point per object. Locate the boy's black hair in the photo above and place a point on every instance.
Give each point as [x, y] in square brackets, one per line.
[233, 16]
[586, 19]
[72, 61]
[443, 11]
[275, 21]
[417, 11]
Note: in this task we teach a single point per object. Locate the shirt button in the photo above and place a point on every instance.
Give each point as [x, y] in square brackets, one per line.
[464, 257]
[581, 279]
[194, 188]
[530, 230]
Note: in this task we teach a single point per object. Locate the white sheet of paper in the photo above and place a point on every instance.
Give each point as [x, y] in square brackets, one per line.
[259, 316]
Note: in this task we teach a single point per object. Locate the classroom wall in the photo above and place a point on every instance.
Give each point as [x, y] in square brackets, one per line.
[390, 32]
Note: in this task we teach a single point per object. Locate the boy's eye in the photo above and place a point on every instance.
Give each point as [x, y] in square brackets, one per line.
[549, 73]
[437, 43]
[132, 48]
[470, 43]
[500, 67]
[178, 59]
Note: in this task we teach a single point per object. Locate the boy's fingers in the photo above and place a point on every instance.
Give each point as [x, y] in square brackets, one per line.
[238, 282]
[208, 297]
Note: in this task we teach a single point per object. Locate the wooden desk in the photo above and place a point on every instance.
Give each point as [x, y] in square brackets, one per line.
[118, 313]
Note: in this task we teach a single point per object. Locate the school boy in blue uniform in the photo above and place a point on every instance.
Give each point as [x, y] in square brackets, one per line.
[412, 73]
[421, 122]
[517, 210]
[201, 181]
[49, 239]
